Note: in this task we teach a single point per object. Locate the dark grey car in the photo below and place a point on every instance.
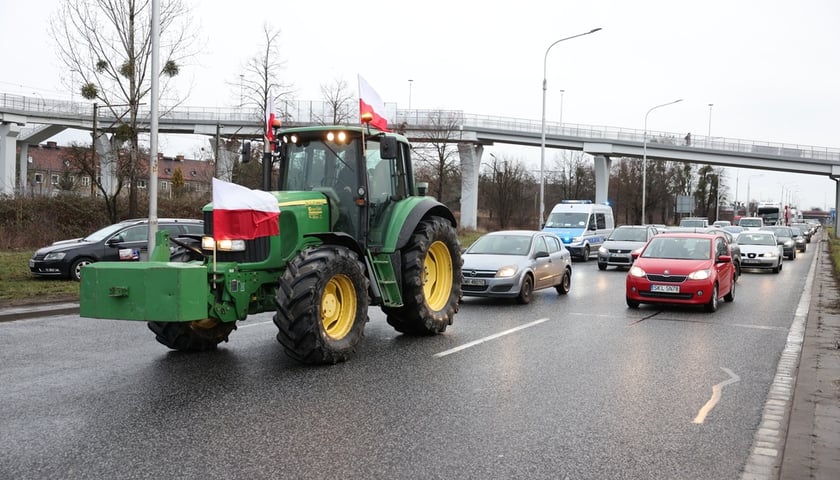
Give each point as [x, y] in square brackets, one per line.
[123, 241]
[617, 248]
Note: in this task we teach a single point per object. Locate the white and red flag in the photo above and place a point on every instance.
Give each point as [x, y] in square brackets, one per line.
[240, 213]
[370, 104]
[269, 121]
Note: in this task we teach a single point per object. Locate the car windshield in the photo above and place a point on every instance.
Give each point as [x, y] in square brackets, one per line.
[756, 239]
[104, 233]
[629, 235]
[780, 231]
[751, 222]
[501, 245]
[681, 248]
[567, 219]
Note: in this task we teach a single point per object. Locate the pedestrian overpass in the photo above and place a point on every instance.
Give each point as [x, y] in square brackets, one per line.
[31, 120]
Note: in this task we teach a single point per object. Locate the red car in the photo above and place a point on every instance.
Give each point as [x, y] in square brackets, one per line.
[682, 269]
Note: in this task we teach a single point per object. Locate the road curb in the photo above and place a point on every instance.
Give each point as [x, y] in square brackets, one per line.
[9, 314]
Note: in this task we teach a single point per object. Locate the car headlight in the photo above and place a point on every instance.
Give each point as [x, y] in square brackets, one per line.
[507, 271]
[603, 250]
[54, 256]
[774, 253]
[577, 239]
[636, 272]
[699, 275]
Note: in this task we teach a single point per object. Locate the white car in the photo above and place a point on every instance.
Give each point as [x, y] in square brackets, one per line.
[759, 249]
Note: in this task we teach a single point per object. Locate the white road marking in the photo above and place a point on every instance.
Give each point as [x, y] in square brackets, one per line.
[487, 339]
[716, 392]
[239, 327]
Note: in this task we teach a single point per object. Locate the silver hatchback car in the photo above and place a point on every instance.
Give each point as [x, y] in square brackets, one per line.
[515, 263]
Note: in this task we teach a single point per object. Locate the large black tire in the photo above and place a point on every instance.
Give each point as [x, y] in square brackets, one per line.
[322, 305]
[196, 336]
[431, 280]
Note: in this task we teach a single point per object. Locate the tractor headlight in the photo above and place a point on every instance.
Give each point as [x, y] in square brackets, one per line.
[209, 243]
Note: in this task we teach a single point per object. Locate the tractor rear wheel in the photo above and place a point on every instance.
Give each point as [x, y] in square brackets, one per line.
[196, 336]
[431, 280]
[322, 305]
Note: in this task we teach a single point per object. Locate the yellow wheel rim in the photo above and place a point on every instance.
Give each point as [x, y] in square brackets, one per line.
[437, 276]
[338, 307]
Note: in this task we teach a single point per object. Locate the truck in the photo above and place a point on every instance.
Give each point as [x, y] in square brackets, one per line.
[375, 240]
[773, 213]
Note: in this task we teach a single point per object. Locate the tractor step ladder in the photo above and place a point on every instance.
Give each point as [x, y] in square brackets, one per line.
[385, 277]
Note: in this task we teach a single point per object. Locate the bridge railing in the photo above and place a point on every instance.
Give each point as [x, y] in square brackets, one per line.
[314, 111]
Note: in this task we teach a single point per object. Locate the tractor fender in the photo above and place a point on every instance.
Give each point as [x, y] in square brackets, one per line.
[339, 238]
[426, 207]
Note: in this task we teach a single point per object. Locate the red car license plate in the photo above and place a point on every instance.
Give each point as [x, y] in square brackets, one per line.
[665, 288]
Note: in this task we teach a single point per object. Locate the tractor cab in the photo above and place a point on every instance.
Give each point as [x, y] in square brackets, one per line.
[360, 181]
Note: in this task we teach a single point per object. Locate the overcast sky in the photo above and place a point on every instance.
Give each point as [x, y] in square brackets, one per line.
[770, 67]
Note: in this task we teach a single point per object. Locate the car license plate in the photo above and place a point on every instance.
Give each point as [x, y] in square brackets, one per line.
[665, 288]
[473, 281]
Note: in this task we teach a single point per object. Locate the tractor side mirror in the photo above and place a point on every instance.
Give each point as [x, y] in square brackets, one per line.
[246, 152]
[388, 148]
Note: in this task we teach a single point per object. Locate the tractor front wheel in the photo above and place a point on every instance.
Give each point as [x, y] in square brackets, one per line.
[322, 305]
[431, 280]
[196, 336]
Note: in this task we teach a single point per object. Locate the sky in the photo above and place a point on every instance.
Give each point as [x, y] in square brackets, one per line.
[769, 67]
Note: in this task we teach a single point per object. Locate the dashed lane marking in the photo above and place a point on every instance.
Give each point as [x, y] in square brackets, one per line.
[488, 338]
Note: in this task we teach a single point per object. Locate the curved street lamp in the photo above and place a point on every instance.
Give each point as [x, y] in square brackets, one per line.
[644, 155]
[542, 143]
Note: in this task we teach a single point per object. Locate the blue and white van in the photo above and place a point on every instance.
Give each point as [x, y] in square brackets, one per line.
[581, 225]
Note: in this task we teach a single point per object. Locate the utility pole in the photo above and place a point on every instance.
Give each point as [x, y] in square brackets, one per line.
[93, 149]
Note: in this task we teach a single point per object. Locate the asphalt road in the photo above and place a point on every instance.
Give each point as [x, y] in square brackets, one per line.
[575, 386]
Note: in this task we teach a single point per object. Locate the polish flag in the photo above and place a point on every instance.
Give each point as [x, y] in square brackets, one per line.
[240, 213]
[269, 121]
[370, 104]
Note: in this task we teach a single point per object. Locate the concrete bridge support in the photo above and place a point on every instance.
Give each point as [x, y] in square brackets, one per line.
[470, 156]
[602, 178]
[8, 149]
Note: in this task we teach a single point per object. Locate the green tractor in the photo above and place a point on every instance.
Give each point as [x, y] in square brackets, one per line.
[354, 232]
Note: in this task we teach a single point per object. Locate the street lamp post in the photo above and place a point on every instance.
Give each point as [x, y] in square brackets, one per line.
[644, 156]
[410, 82]
[542, 143]
[561, 107]
[709, 135]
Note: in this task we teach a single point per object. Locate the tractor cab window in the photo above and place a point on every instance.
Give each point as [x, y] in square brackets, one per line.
[331, 168]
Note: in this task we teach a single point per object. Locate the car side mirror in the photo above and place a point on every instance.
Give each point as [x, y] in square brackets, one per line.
[541, 254]
[724, 259]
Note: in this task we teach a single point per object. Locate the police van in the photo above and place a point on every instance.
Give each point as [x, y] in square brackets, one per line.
[581, 225]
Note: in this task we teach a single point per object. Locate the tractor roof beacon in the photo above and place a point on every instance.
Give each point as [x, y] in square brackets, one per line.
[354, 232]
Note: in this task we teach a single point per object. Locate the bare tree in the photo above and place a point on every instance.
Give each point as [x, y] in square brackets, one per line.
[506, 184]
[438, 149]
[83, 161]
[339, 99]
[108, 44]
[261, 79]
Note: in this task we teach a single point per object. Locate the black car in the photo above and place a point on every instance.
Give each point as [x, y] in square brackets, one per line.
[784, 237]
[125, 240]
